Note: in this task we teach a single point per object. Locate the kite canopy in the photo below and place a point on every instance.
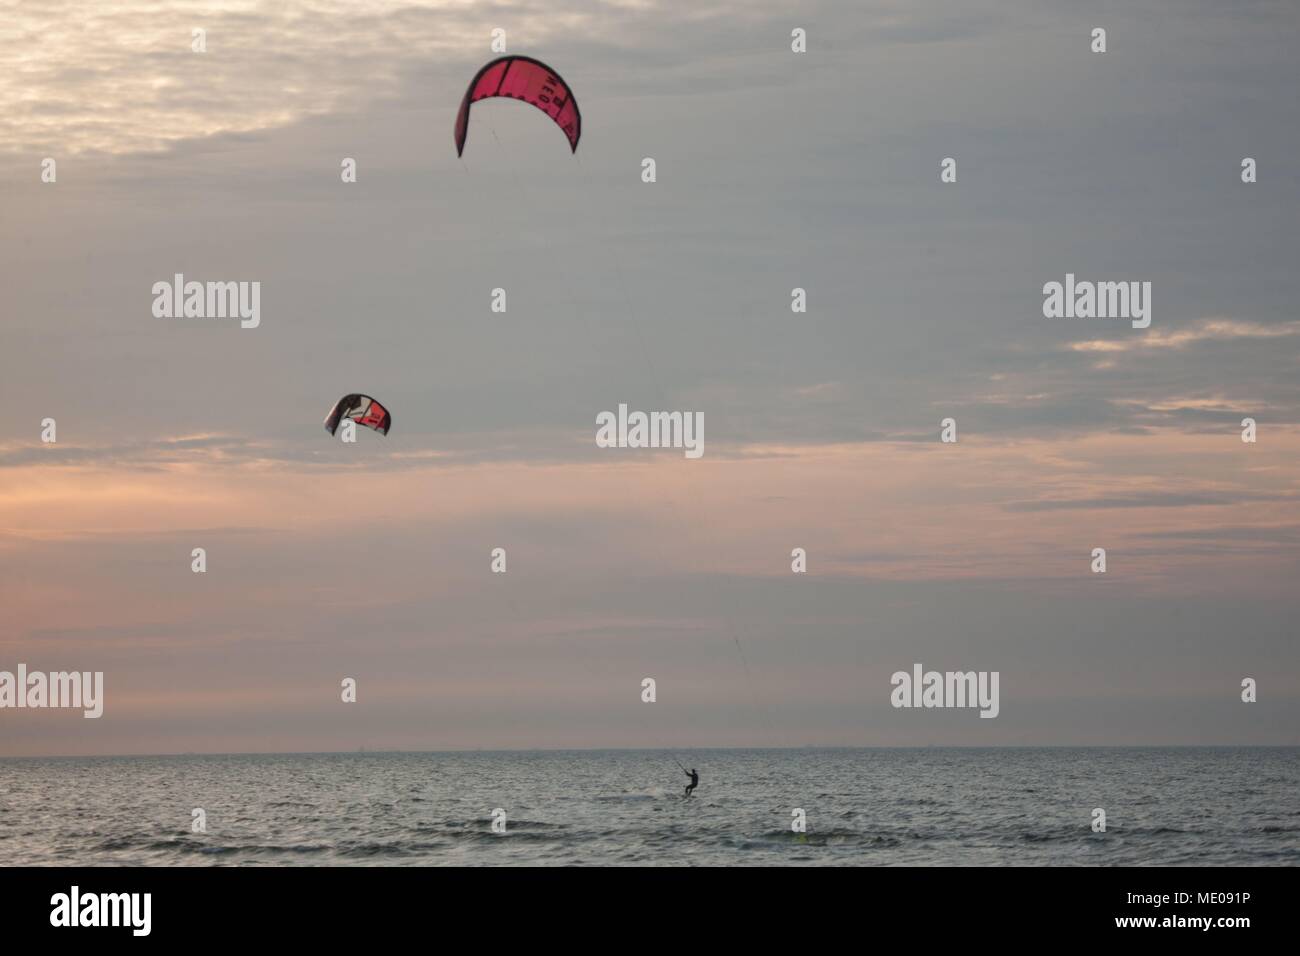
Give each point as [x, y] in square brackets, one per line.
[361, 409]
[522, 78]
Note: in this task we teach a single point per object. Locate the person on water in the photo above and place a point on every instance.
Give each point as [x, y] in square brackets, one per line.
[695, 780]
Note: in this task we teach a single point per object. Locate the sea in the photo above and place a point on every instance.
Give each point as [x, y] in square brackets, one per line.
[1179, 806]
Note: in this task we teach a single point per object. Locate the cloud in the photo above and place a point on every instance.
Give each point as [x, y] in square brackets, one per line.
[1195, 333]
[818, 171]
[1285, 534]
[82, 77]
[1150, 500]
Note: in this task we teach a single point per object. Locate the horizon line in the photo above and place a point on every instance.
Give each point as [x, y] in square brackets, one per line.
[659, 750]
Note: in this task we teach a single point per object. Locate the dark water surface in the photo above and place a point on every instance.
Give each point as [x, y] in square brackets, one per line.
[932, 806]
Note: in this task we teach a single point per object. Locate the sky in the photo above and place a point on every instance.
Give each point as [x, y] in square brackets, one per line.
[775, 170]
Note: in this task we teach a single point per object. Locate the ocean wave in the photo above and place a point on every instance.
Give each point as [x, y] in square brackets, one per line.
[832, 837]
[654, 793]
